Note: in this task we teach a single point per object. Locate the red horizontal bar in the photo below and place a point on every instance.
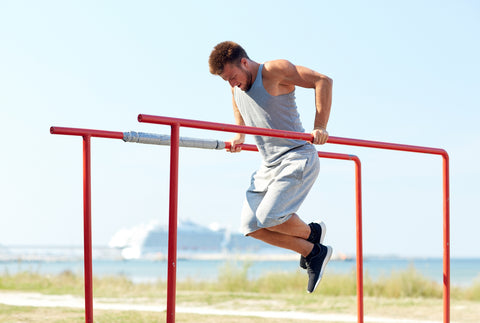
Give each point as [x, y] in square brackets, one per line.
[86, 132]
[247, 147]
[322, 154]
[224, 127]
[284, 134]
[385, 145]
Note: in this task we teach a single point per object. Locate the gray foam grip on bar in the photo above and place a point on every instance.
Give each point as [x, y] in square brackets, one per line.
[157, 139]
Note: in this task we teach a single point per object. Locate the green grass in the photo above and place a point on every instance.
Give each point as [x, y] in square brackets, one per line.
[399, 284]
[403, 294]
[234, 278]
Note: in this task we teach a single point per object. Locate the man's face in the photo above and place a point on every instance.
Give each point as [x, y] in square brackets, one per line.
[237, 76]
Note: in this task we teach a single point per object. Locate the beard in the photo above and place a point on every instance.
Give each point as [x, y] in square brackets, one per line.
[248, 82]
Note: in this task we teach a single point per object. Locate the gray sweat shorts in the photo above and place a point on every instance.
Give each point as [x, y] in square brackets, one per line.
[277, 191]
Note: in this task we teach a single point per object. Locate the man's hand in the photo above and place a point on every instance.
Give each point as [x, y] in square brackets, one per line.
[320, 136]
[235, 142]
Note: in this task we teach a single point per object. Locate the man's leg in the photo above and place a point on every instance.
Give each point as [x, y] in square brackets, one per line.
[293, 227]
[293, 235]
[285, 241]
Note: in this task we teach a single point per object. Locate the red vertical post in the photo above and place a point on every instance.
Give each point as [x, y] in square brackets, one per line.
[446, 239]
[87, 230]
[172, 225]
[359, 235]
[358, 202]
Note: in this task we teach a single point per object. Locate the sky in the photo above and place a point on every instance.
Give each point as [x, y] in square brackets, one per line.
[403, 71]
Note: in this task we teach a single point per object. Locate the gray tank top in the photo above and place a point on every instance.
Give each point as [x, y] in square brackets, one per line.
[260, 109]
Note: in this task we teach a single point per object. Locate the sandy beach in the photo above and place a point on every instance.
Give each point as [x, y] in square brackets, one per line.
[69, 301]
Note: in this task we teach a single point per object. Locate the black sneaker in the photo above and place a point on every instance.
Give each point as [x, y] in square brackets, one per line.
[321, 230]
[316, 266]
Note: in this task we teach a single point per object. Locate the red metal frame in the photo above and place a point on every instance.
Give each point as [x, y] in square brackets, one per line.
[87, 225]
[341, 141]
[87, 205]
[172, 249]
[172, 222]
[86, 132]
[175, 124]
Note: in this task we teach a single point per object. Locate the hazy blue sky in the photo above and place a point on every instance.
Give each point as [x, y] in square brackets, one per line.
[403, 71]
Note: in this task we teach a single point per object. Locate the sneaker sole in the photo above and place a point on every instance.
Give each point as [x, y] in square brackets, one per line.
[325, 262]
[324, 231]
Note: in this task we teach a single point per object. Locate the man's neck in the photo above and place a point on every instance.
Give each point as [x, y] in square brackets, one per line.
[253, 68]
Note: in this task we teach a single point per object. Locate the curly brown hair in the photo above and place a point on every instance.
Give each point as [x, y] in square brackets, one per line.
[225, 52]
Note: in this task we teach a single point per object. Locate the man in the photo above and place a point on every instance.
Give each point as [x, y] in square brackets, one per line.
[264, 97]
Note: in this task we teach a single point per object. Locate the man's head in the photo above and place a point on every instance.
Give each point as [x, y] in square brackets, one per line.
[230, 61]
[226, 52]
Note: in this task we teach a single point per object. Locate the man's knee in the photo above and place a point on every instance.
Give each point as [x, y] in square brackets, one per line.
[258, 234]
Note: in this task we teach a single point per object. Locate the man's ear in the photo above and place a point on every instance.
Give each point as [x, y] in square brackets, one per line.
[244, 62]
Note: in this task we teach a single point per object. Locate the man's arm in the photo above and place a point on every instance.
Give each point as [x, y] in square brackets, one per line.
[239, 137]
[283, 76]
[323, 104]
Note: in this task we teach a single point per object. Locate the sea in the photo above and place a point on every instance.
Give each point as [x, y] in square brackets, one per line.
[464, 271]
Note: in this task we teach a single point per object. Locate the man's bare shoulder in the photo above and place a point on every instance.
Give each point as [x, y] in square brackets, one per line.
[278, 68]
